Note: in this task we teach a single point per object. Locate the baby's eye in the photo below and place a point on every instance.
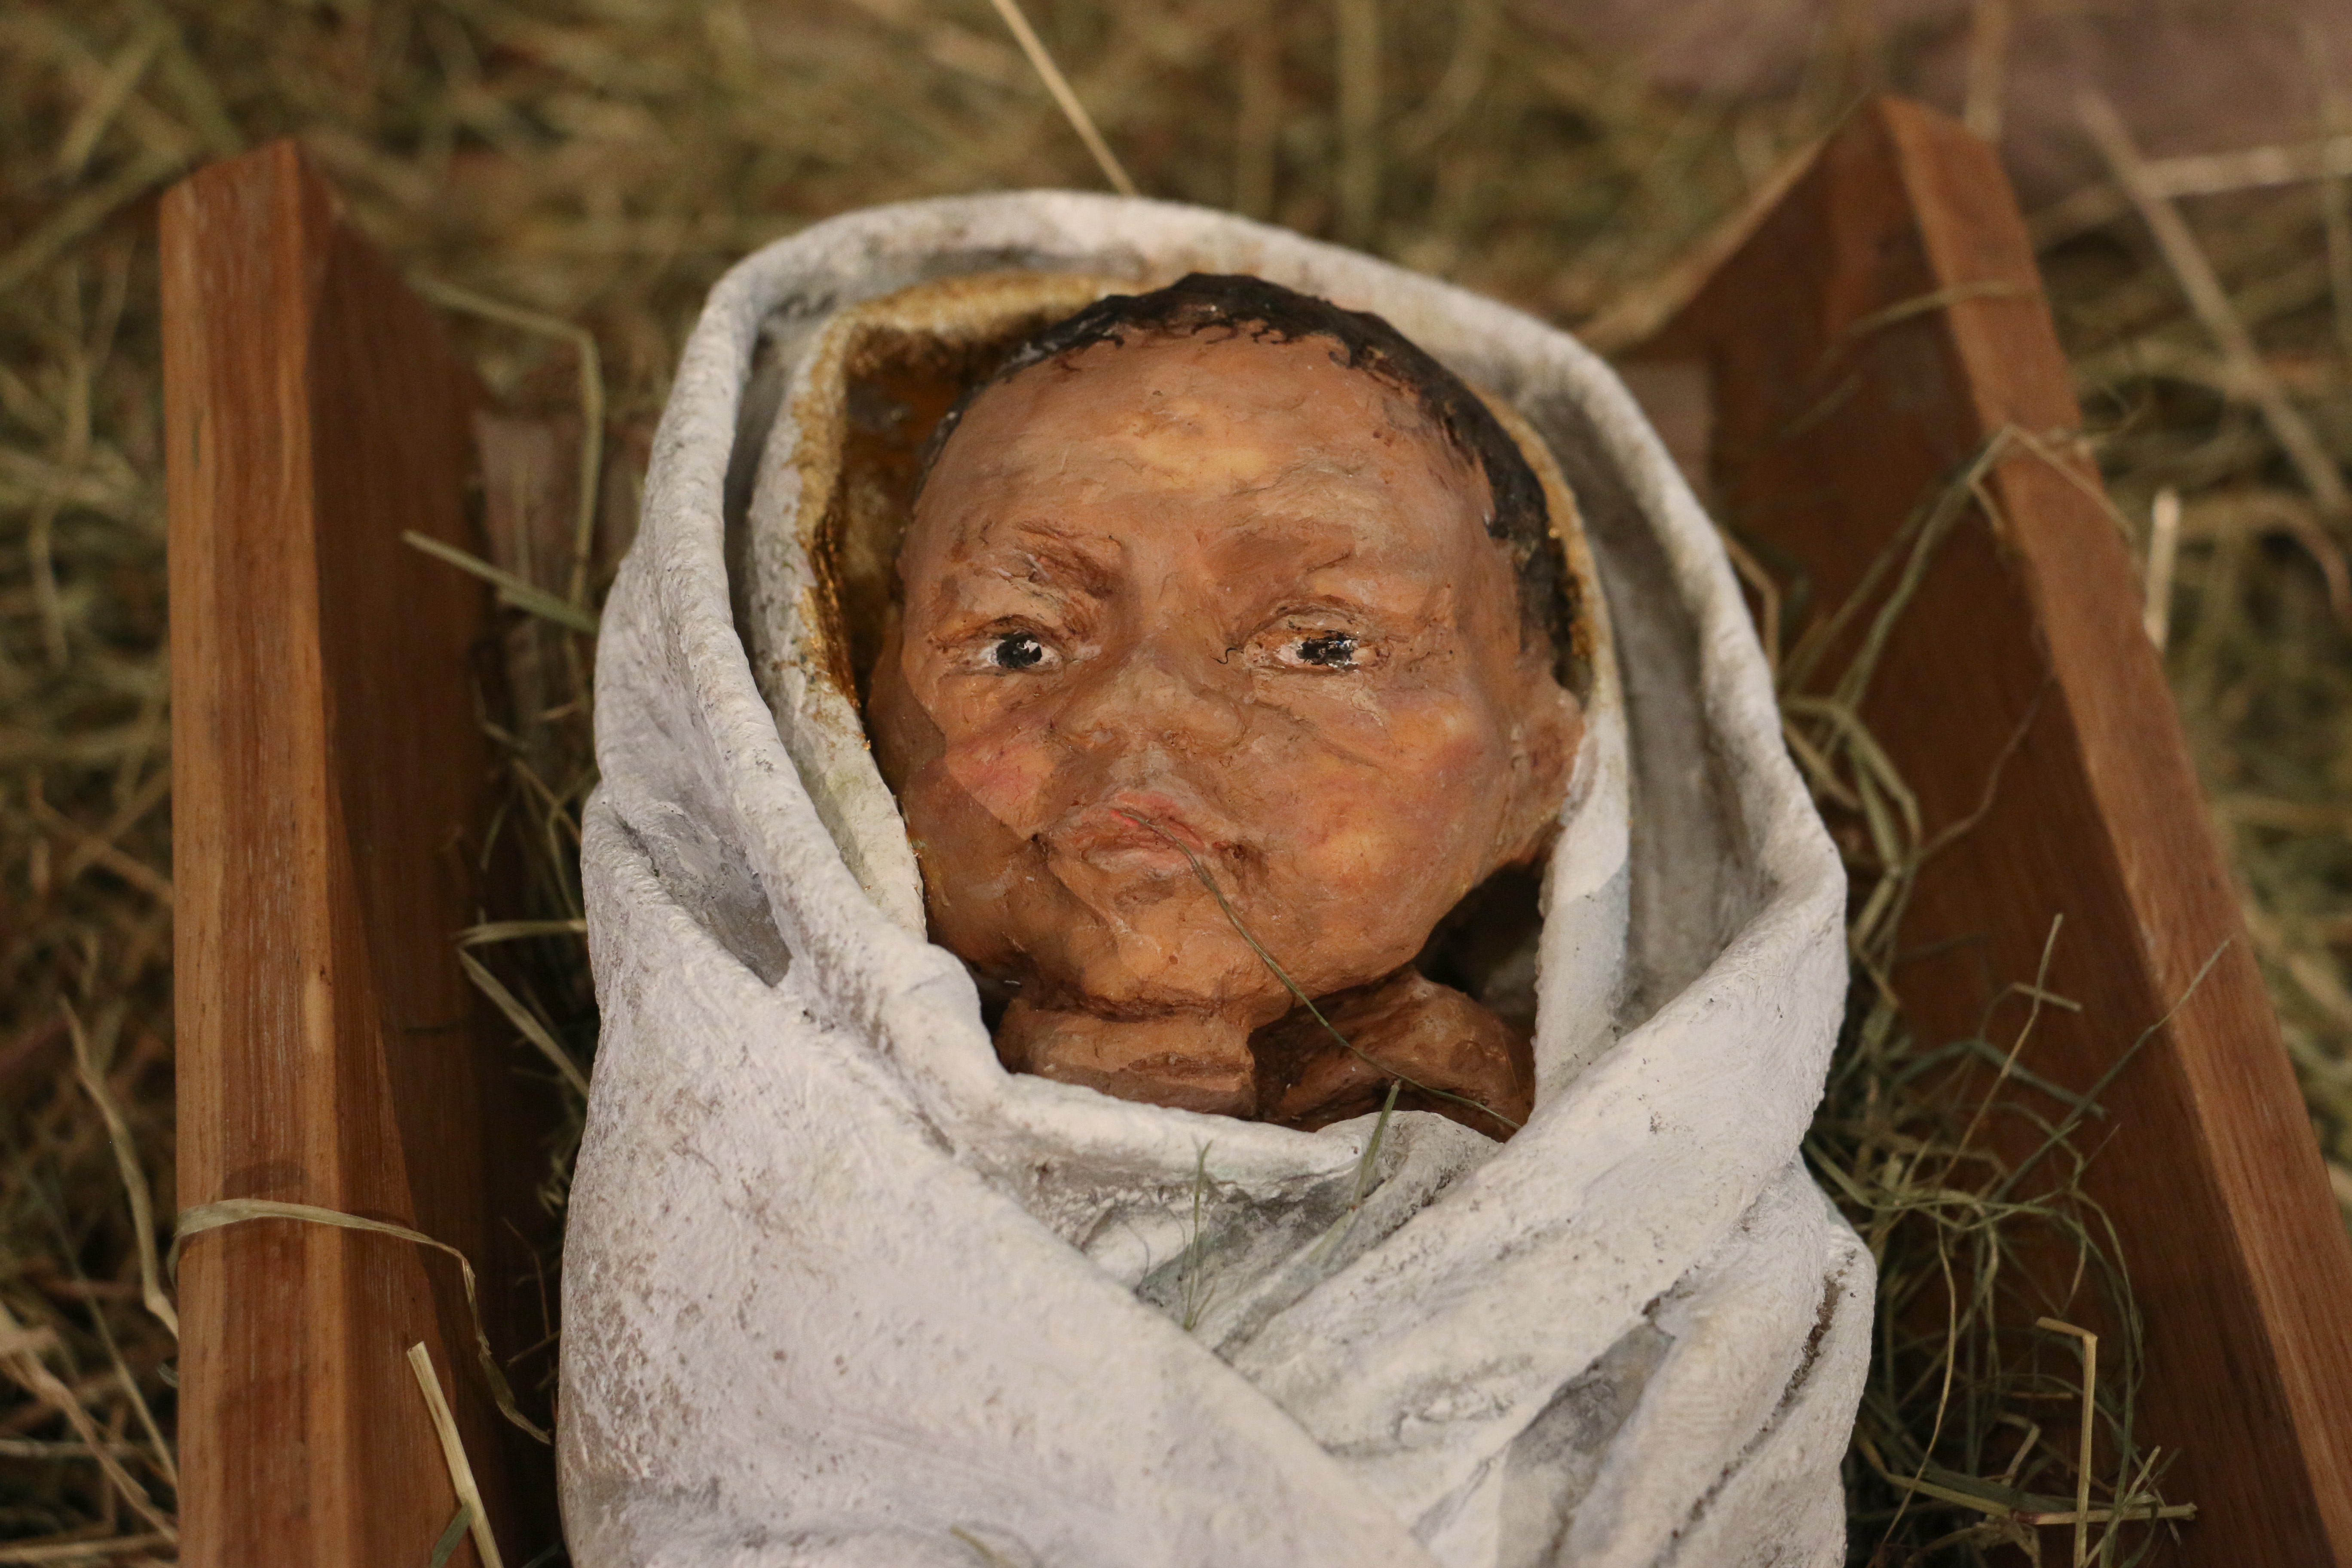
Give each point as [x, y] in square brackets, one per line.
[1320, 649]
[1020, 651]
[1333, 650]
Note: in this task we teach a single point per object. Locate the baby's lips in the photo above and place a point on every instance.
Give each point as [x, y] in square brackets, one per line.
[1135, 821]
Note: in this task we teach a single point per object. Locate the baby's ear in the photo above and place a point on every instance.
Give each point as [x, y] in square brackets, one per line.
[1550, 727]
[901, 730]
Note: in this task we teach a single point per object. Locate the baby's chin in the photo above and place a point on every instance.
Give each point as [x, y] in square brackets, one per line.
[1134, 937]
[1149, 970]
[1126, 976]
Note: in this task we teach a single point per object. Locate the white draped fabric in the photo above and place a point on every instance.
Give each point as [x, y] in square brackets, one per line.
[839, 1289]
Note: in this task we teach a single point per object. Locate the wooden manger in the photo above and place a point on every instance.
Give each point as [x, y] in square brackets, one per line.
[329, 786]
[1879, 324]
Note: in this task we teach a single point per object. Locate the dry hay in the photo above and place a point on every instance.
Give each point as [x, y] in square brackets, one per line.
[595, 164]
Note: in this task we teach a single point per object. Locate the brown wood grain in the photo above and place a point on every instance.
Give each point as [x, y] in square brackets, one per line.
[327, 792]
[1869, 337]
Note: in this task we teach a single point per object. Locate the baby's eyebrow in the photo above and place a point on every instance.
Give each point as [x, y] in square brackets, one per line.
[1051, 558]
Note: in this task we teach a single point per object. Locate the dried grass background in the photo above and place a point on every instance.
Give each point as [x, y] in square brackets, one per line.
[600, 162]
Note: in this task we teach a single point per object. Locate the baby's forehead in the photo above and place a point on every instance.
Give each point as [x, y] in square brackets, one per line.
[1222, 444]
[1212, 396]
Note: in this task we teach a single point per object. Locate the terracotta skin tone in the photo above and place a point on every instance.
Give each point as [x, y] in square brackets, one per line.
[1218, 593]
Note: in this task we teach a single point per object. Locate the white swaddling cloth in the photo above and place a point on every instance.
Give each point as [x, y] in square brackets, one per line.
[839, 1290]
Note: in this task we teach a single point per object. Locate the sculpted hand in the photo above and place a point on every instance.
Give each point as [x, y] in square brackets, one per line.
[1409, 1027]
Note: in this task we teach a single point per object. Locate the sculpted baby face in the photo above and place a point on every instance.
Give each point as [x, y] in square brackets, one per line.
[1227, 593]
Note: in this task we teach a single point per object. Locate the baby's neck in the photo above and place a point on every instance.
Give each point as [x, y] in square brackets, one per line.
[1453, 1056]
[1189, 1061]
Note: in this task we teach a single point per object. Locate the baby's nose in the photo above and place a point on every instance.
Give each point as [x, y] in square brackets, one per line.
[1157, 694]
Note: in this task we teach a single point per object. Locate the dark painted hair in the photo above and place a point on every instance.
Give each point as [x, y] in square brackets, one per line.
[1201, 301]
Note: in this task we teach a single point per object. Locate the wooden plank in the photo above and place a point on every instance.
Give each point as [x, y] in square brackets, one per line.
[328, 794]
[1875, 332]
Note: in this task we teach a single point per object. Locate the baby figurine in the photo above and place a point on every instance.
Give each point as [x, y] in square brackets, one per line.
[1229, 664]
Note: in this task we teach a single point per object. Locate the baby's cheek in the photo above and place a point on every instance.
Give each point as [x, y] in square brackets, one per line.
[1006, 769]
[1446, 747]
[1397, 790]
[1454, 748]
